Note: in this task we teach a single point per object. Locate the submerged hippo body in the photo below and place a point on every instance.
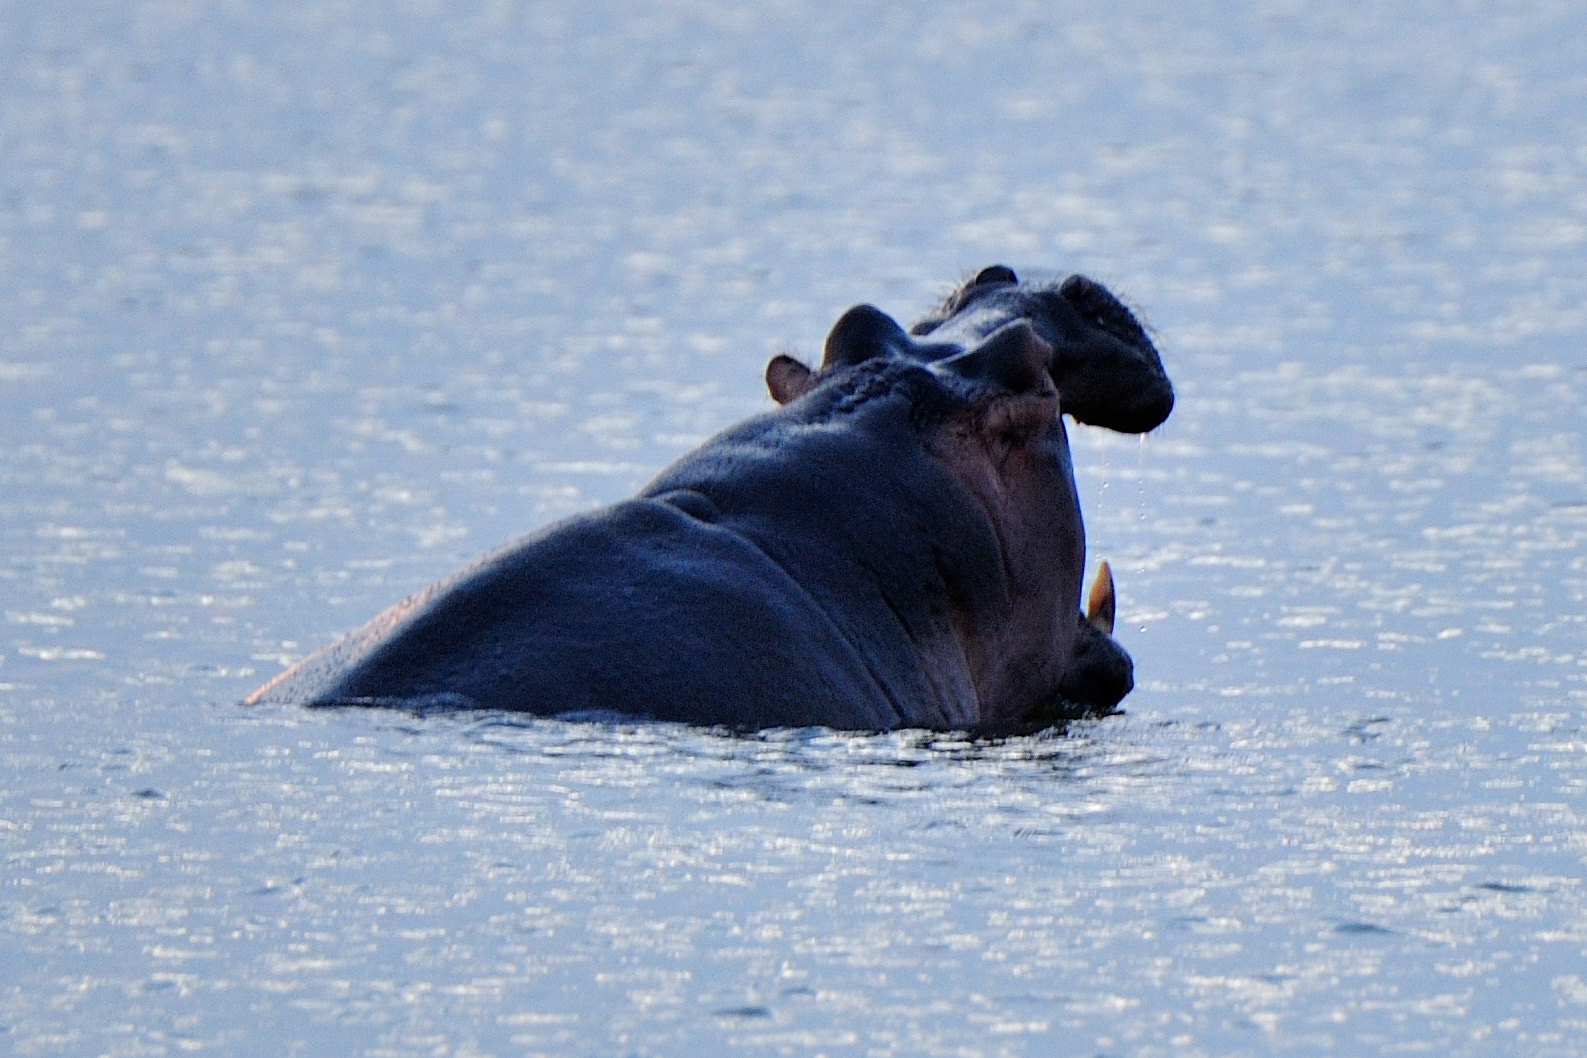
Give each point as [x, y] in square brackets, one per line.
[899, 544]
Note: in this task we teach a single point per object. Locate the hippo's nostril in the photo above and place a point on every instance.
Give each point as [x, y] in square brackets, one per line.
[994, 274]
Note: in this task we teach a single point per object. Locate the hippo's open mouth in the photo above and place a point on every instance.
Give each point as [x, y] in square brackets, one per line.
[810, 565]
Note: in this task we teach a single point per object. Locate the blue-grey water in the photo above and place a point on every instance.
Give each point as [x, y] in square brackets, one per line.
[303, 303]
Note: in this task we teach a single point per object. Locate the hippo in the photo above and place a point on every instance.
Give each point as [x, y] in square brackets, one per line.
[898, 544]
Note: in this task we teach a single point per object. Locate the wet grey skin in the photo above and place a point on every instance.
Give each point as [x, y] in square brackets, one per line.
[898, 544]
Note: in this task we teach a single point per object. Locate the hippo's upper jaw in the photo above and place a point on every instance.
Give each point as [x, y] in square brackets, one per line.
[1104, 364]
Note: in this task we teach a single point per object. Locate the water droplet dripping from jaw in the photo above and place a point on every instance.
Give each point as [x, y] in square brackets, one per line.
[1140, 493]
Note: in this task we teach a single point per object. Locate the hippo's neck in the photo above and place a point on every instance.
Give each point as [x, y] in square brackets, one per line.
[886, 540]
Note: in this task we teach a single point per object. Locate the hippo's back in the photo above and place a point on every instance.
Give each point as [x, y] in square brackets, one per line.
[638, 609]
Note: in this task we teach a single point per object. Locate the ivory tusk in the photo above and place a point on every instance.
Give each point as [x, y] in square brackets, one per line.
[1099, 606]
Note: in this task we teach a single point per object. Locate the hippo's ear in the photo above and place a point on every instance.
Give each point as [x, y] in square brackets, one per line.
[788, 379]
[994, 274]
[1013, 357]
[861, 333]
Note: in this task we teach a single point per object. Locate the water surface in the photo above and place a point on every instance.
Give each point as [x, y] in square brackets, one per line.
[303, 304]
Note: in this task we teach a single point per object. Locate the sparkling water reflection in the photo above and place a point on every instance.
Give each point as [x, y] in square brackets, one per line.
[1298, 881]
[305, 303]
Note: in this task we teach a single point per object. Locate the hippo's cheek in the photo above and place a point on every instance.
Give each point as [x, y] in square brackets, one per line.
[1018, 475]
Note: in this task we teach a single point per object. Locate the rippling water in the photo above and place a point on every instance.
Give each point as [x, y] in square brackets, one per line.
[302, 304]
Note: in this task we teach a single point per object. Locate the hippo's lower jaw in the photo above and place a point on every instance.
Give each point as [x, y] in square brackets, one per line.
[1097, 676]
[1100, 673]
